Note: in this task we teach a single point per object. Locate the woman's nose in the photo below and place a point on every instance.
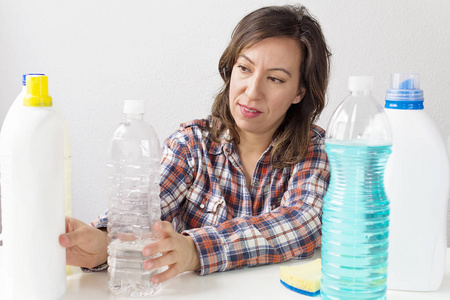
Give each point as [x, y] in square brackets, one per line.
[254, 89]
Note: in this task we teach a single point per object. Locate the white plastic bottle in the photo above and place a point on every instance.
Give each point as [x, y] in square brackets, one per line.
[12, 114]
[134, 205]
[32, 170]
[15, 109]
[417, 184]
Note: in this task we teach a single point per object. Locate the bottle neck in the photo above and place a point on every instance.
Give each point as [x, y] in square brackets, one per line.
[360, 93]
[135, 116]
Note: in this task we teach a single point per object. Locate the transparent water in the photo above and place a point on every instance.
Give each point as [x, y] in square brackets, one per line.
[127, 275]
[355, 223]
[134, 207]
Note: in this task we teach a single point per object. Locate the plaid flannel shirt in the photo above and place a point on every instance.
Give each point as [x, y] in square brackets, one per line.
[204, 195]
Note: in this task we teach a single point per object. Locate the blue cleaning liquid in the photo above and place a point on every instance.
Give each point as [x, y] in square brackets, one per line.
[355, 223]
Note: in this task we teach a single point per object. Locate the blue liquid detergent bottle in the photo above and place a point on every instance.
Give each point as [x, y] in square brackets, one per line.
[356, 210]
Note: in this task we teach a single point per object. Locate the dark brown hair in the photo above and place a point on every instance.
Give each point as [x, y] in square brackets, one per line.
[293, 135]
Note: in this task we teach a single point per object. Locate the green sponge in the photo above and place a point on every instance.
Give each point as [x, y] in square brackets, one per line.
[303, 279]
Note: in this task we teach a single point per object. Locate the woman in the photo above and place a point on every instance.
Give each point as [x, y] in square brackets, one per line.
[243, 187]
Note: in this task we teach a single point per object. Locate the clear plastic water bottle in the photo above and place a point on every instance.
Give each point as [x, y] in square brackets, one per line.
[356, 210]
[417, 184]
[134, 206]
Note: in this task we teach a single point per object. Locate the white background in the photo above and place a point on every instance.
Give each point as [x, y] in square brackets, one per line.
[98, 53]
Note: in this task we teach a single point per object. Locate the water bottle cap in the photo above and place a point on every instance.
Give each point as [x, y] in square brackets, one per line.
[24, 77]
[360, 83]
[37, 91]
[134, 107]
[405, 92]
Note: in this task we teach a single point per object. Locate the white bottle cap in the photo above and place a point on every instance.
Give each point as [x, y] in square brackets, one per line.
[360, 83]
[133, 107]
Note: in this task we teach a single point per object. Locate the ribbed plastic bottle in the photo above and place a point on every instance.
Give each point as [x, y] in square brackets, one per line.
[417, 184]
[32, 172]
[356, 210]
[134, 205]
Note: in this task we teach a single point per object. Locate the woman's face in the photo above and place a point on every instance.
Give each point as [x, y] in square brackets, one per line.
[264, 84]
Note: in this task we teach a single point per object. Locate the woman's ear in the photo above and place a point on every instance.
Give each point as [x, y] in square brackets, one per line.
[299, 96]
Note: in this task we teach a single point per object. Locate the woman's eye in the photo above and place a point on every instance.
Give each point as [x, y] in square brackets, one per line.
[243, 68]
[275, 80]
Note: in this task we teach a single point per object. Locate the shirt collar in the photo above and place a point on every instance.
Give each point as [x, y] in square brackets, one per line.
[224, 146]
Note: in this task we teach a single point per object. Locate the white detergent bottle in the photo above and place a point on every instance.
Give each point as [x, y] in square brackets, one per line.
[13, 112]
[417, 185]
[14, 109]
[32, 172]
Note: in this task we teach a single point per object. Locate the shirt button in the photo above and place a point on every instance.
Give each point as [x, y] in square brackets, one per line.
[255, 183]
[202, 206]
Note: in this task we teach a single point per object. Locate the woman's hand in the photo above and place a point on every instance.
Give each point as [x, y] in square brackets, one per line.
[85, 245]
[179, 253]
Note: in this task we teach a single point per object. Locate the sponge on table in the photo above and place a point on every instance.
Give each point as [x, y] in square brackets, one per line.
[304, 279]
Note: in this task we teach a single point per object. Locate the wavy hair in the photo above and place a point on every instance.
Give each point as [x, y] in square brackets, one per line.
[292, 137]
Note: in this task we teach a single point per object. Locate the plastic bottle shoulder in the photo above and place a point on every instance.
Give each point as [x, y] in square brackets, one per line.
[133, 129]
[415, 126]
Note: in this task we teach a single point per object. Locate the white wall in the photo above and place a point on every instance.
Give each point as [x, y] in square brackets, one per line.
[97, 53]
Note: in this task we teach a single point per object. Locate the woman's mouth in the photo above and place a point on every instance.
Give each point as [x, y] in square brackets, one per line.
[249, 112]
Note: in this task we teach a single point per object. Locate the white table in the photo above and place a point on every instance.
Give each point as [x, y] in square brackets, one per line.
[261, 282]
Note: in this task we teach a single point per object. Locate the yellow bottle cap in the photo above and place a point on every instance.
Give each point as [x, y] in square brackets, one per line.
[37, 92]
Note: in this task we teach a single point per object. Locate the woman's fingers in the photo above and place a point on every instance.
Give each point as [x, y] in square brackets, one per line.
[68, 239]
[161, 246]
[165, 244]
[178, 253]
[74, 234]
[164, 228]
[166, 259]
[85, 245]
[170, 273]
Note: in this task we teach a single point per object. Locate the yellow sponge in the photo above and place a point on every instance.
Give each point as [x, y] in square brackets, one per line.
[304, 279]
